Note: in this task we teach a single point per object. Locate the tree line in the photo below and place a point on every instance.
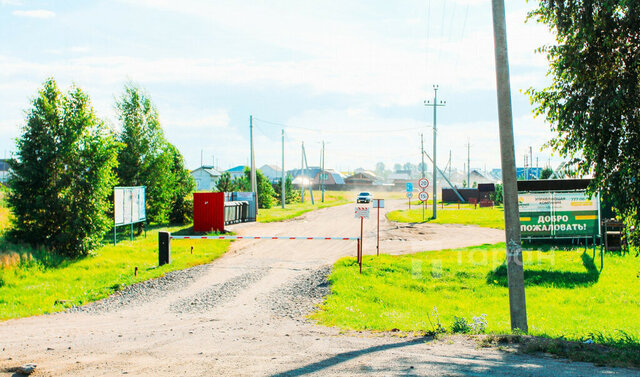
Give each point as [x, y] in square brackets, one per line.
[68, 162]
[268, 193]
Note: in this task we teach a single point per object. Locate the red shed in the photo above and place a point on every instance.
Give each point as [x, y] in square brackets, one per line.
[208, 211]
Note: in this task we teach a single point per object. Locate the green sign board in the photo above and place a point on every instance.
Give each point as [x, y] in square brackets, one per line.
[559, 214]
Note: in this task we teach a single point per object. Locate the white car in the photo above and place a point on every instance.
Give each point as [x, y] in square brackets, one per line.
[364, 197]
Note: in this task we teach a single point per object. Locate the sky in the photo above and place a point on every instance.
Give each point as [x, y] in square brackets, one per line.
[354, 74]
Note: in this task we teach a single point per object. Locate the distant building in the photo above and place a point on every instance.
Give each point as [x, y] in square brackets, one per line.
[206, 178]
[363, 178]
[272, 172]
[4, 170]
[332, 178]
[236, 172]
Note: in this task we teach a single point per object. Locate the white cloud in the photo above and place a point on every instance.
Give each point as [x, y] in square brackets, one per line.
[37, 13]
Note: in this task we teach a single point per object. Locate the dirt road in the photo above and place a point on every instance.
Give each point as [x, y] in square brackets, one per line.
[244, 315]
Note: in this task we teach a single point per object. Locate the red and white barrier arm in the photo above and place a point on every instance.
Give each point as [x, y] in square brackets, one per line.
[261, 238]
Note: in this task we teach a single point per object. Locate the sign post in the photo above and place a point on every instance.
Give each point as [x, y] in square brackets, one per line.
[362, 213]
[378, 203]
[423, 183]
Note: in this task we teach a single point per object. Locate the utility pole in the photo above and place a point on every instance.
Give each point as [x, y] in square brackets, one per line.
[304, 158]
[283, 182]
[322, 171]
[531, 160]
[301, 173]
[201, 157]
[254, 184]
[422, 154]
[515, 273]
[450, 162]
[468, 163]
[435, 105]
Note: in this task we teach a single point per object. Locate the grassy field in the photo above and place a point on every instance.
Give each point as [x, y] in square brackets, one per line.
[39, 285]
[331, 198]
[567, 295]
[486, 217]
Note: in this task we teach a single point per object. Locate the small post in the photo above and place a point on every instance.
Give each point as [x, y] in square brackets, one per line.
[164, 246]
[361, 241]
[378, 232]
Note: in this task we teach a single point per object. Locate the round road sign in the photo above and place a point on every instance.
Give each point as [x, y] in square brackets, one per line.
[423, 196]
[423, 183]
[409, 194]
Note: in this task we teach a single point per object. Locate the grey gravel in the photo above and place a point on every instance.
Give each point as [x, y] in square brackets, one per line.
[300, 297]
[218, 293]
[145, 291]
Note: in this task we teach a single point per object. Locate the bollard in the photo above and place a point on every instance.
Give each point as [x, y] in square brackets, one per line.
[164, 246]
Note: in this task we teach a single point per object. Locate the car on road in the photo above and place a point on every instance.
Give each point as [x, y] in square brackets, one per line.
[364, 197]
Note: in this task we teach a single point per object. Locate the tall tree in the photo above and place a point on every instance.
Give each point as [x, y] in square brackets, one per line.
[183, 186]
[145, 159]
[225, 183]
[593, 103]
[63, 174]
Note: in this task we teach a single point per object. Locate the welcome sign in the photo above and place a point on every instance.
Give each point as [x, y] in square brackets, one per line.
[559, 214]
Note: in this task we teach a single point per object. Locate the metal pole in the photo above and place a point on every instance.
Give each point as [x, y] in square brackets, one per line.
[515, 273]
[302, 173]
[422, 152]
[283, 183]
[306, 164]
[322, 175]
[378, 231]
[254, 184]
[361, 241]
[468, 163]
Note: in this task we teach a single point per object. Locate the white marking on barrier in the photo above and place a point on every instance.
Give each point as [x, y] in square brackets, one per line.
[263, 238]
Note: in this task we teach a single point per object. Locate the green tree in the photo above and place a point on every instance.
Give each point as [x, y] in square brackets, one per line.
[496, 196]
[291, 195]
[593, 103]
[145, 159]
[546, 173]
[265, 190]
[63, 174]
[183, 187]
[225, 183]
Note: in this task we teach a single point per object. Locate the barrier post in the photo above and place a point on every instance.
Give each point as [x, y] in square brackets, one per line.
[361, 241]
[164, 248]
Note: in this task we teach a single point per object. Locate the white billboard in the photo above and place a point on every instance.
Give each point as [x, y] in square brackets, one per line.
[129, 205]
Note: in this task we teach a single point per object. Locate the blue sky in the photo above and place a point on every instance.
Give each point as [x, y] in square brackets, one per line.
[352, 73]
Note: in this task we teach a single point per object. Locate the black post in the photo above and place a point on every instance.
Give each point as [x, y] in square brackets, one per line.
[164, 245]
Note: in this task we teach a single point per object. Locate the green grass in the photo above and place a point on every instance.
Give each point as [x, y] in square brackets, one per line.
[41, 284]
[567, 297]
[486, 217]
[331, 198]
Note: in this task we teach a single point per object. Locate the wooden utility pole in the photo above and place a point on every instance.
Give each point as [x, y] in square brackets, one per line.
[515, 272]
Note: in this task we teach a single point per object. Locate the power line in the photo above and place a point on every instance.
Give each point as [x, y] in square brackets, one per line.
[386, 131]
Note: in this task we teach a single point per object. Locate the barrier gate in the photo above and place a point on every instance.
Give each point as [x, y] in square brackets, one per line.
[164, 243]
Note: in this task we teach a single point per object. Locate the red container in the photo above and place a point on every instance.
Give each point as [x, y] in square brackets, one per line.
[208, 211]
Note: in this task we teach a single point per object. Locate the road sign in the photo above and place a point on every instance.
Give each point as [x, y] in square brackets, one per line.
[378, 203]
[362, 213]
[423, 183]
[409, 194]
[423, 196]
[409, 186]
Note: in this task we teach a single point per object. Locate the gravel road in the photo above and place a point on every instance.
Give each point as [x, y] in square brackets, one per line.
[245, 314]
